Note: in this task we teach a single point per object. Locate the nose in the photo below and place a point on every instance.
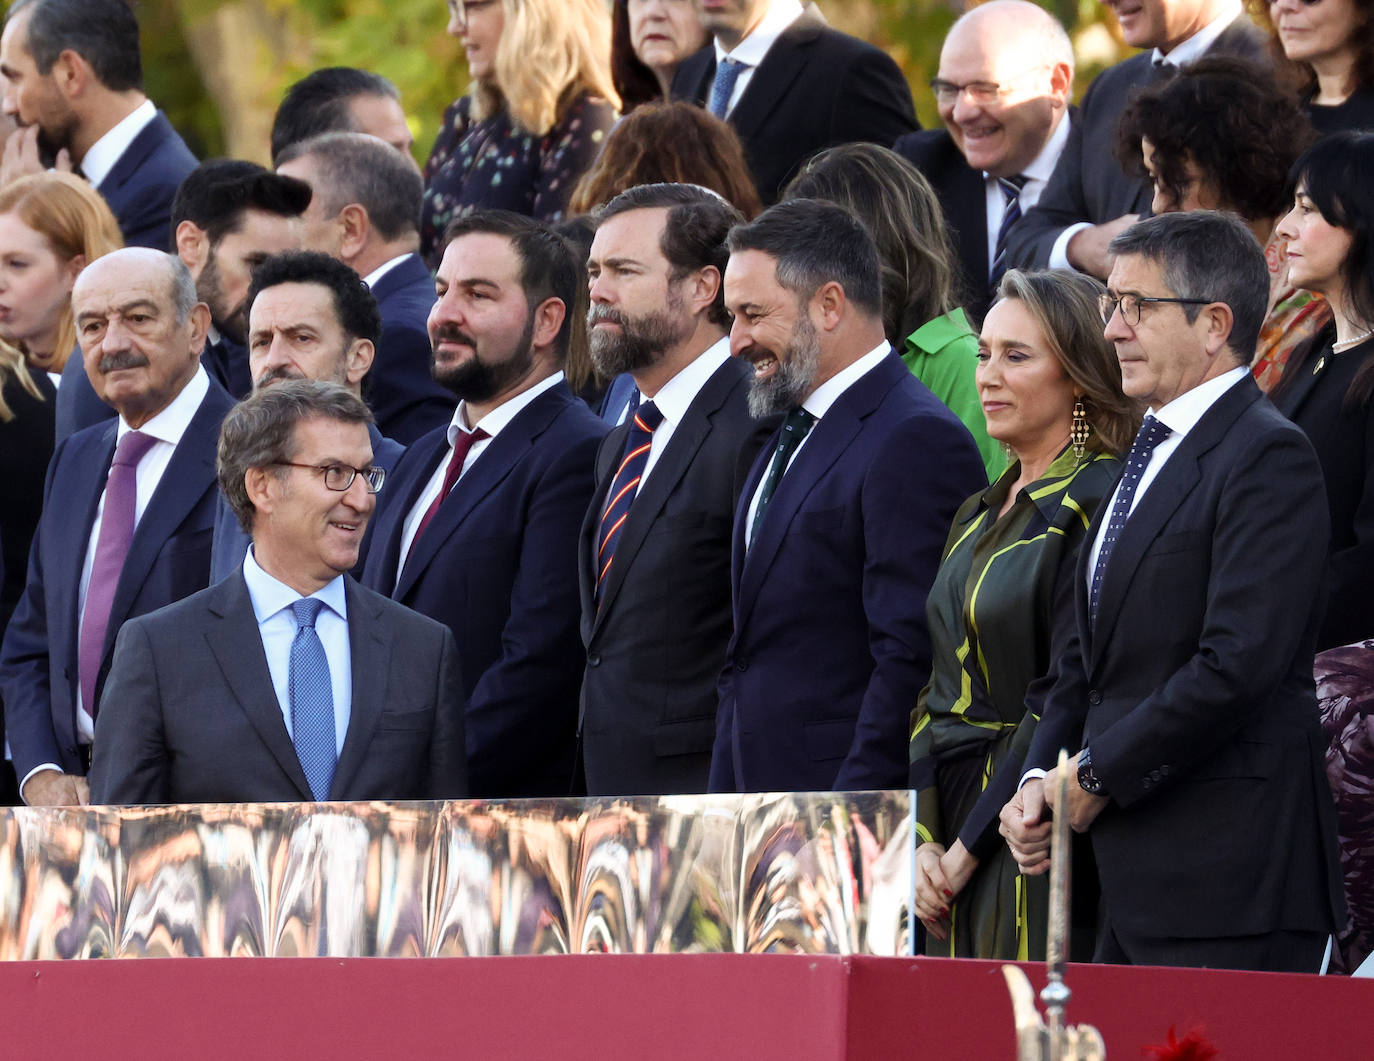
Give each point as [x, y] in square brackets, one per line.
[445, 311]
[988, 374]
[359, 498]
[9, 104]
[964, 109]
[1116, 328]
[1161, 203]
[116, 336]
[1285, 227]
[598, 289]
[740, 339]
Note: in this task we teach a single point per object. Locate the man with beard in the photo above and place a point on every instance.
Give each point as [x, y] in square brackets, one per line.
[479, 524]
[840, 527]
[655, 552]
[310, 317]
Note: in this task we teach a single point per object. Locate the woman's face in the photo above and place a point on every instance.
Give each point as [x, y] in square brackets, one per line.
[1315, 32]
[1316, 248]
[664, 32]
[35, 287]
[1197, 193]
[478, 24]
[1027, 397]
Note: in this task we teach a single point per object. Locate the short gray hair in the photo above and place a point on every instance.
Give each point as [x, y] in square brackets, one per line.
[184, 297]
[1208, 255]
[261, 431]
[358, 168]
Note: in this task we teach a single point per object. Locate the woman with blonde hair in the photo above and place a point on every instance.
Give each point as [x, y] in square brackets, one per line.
[541, 103]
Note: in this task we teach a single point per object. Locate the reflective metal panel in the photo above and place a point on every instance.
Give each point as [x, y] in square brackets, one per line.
[811, 873]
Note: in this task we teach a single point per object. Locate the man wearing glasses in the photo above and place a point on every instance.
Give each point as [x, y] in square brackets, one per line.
[288, 681]
[1006, 71]
[1185, 697]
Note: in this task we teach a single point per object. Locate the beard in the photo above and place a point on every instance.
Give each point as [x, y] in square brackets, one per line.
[482, 376]
[641, 341]
[795, 376]
[232, 321]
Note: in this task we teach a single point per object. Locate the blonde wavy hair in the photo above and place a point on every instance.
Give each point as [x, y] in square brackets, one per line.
[12, 364]
[73, 218]
[551, 53]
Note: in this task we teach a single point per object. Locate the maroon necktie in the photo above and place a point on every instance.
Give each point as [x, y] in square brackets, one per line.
[111, 550]
[461, 445]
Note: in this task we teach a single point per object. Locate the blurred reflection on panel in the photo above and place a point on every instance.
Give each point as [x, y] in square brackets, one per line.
[806, 873]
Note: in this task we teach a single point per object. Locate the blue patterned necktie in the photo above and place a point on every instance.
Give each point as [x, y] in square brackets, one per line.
[794, 431]
[1011, 192]
[643, 422]
[723, 87]
[312, 700]
[1152, 433]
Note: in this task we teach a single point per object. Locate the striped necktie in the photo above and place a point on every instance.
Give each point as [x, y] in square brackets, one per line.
[1011, 192]
[624, 486]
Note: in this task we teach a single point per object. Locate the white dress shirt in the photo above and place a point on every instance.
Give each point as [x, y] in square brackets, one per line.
[1037, 174]
[493, 423]
[272, 602]
[675, 397]
[751, 50]
[102, 155]
[818, 404]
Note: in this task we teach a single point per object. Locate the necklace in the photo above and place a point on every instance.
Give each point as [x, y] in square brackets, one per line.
[1354, 340]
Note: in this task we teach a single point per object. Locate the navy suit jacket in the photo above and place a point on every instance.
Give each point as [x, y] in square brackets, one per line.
[498, 567]
[169, 558]
[830, 648]
[400, 388]
[141, 186]
[815, 88]
[232, 541]
[191, 715]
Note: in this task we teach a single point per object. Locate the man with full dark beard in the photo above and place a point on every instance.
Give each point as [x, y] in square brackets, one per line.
[655, 552]
[478, 526]
[839, 530]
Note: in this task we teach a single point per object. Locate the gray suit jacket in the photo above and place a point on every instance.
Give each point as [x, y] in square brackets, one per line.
[190, 715]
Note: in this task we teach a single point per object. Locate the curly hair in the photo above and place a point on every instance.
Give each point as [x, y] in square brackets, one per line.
[1300, 76]
[1227, 118]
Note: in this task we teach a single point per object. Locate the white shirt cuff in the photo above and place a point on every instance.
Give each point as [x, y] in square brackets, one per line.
[1059, 253]
[36, 770]
[1032, 774]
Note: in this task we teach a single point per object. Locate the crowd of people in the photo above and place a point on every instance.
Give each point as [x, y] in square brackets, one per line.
[692, 420]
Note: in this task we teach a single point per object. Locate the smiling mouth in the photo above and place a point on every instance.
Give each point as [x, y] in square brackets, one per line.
[765, 366]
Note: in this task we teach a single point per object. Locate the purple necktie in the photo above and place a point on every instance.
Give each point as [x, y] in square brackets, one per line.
[112, 547]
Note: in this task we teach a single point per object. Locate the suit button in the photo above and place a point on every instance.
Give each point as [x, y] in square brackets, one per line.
[742, 665]
[1094, 698]
[593, 660]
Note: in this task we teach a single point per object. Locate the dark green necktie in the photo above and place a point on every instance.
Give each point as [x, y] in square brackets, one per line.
[794, 430]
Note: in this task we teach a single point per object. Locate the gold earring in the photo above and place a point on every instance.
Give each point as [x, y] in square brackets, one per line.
[1078, 429]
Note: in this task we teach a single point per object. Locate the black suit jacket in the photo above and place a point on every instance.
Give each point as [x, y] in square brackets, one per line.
[191, 715]
[815, 88]
[400, 389]
[1089, 183]
[656, 643]
[1193, 691]
[141, 186]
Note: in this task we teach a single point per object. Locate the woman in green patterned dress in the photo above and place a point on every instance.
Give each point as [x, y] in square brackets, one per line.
[1050, 387]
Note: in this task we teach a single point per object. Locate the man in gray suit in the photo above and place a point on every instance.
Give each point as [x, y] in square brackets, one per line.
[287, 681]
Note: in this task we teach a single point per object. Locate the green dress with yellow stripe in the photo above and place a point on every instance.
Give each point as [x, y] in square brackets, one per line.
[1001, 602]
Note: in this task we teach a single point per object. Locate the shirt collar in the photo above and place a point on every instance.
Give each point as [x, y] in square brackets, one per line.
[675, 396]
[371, 278]
[102, 155]
[1182, 414]
[820, 400]
[1042, 165]
[503, 414]
[171, 423]
[269, 595]
[1196, 45]
[751, 50]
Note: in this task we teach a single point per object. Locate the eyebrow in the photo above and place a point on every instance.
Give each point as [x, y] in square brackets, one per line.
[128, 307]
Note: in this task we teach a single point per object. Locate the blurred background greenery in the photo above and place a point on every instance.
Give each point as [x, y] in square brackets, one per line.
[218, 67]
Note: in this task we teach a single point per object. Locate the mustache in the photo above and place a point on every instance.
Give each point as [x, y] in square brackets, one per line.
[451, 333]
[122, 360]
[276, 375]
[604, 314]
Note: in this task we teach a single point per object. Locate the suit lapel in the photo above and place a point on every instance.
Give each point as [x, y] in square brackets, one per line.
[770, 82]
[420, 462]
[90, 469]
[368, 650]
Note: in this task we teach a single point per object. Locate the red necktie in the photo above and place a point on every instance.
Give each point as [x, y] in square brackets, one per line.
[461, 445]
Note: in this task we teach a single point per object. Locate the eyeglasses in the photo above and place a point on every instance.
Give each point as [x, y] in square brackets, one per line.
[947, 93]
[340, 477]
[1129, 305]
[461, 10]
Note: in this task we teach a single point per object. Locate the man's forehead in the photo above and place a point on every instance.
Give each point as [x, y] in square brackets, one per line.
[301, 300]
[480, 255]
[101, 290]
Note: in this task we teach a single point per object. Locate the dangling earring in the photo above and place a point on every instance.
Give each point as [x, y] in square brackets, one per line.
[1079, 429]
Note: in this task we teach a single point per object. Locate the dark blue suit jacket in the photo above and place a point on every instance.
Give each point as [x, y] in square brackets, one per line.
[830, 648]
[498, 566]
[400, 388]
[143, 183]
[231, 540]
[168, 559]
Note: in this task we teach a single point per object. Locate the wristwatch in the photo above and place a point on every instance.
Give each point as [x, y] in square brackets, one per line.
[1088, 780]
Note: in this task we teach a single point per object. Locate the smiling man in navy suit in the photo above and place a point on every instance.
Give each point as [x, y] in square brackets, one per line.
[128, 512]
[74, 79]
[841, 523]
[479, 525]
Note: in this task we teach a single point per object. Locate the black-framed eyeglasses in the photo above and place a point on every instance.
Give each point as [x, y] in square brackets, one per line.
[1130, 304]
[461, 9]
[339, 477]
[983, 93]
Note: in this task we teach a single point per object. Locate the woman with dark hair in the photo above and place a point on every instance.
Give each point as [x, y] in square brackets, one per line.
[921, 312]
[1222, 136]
[1328, 386]
[649, 40]
[1325, 50]
[669, 143]
[1000, 607]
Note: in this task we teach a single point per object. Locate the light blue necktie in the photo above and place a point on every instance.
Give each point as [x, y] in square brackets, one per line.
[312, 700]
[723, 87]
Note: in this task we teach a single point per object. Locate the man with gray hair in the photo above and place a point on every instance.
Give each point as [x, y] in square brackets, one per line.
[287, 681]
[365, 211]
[128, 512]
[1186, 696]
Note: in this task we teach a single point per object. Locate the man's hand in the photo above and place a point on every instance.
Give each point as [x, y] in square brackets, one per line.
[1026, 827]
[933, 891]
[51, 789]
[1082, 809]
[21, 158]
[1087, 248]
